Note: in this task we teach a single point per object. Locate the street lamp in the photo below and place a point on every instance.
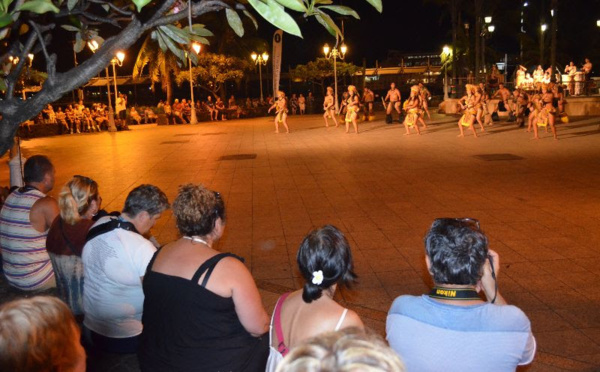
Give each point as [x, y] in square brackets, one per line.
[260, 60]
[335, 54]
[487, 27]
[446, 52]
[117, 60]
[193, 119]
[93, 45]
[598, 23]
[543, 29]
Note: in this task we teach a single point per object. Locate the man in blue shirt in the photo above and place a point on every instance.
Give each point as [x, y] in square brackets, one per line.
[452, 328]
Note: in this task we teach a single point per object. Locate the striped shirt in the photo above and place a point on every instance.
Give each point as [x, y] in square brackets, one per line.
[26, 262]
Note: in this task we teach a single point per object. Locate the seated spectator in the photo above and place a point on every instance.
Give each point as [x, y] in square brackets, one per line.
[24, 222]
[115, 258]
[150, 116]
[79, 201]
[220, 109]
[61, 119]
[202, 310]
[210, 106]
[350, 349]
[324, 260]
[452, 326]
[49, 114]
[178, 112]
[134, 115]
[39, 334]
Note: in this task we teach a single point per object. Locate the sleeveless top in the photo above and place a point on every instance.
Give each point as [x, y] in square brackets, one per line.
[189, 328]
[26, 262]
[277, 354]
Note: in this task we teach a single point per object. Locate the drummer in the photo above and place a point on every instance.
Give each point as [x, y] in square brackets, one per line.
[571, 70]
[538, 76]
[587, 70]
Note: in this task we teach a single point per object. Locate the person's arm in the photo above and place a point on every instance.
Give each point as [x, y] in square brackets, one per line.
[43, 212]
[488, 283]
[352, 320]
[246, 298]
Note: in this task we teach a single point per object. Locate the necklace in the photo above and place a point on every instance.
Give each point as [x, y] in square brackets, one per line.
[196, 239]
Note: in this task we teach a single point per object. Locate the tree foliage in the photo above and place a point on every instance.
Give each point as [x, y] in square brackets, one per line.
[320, 71]
[214, 70]
[27, 26]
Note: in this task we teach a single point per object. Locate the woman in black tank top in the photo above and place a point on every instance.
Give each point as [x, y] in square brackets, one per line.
[202, 310]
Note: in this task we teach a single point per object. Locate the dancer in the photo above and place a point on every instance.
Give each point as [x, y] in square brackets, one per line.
[302, 104]
[485, 99]
[477, 105]
[329, 108]
[368, 100]
[504, 104]
[522, 110]
[352, 107]
[468, 117]
[413, 108]
[393, 98]
[520, 76]
[425, 97]
[281, 110]
[547, 113]
[535, 106]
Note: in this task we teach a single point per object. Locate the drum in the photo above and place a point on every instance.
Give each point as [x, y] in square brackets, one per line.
[579, 76]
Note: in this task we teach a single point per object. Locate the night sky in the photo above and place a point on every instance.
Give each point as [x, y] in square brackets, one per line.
[412, 26]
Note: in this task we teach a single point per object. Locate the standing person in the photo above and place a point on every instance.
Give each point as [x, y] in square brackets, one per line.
[115, 258]
[202, 310]
[452, 326]
[412, 107]
[79, 201]
[468, 105]
[485, 99]
[571, 70]
[547, 113]
[325, 261]
[393, 97]
[505, 97]
[169, 113]
[344, 106]
[329, 107]
[302, 104]
[121, 106]
[25, 218]
[294, 104]
[368, 100]
[310, 103]
[425, 97]
[520, 78]
[281, 111]
[352, 108]
[587, 71]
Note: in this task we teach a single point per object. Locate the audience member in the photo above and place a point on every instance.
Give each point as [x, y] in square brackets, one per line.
[79, 202]
[324, 260]
[452, 326]
[39, 334]
[25, 219]
[202, 310]
[115, 258]
[220, 109]
[350, 349]
[135, 116]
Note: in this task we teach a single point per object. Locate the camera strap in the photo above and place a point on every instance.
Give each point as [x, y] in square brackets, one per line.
[462, 294]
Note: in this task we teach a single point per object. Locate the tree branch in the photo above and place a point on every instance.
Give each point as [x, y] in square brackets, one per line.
[14, 74]
[121, 11]
[50, 60]
[100, 19]
[198, 9]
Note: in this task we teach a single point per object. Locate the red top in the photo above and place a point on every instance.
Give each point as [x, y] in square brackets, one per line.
[65, 239]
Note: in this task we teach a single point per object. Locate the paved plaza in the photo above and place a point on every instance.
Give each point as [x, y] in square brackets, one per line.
[538, 201]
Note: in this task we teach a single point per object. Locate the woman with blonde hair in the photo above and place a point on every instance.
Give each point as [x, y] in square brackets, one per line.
[329, 107]
[352, 108]
[78, 202]
[470, 110]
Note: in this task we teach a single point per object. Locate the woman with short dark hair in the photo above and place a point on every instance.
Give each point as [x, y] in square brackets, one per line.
[325, 260]
[202, 310]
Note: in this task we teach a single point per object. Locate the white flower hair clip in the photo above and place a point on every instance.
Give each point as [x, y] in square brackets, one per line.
[317, 278]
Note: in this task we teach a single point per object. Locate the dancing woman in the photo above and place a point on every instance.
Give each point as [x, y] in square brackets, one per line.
[468, 118]
[329, 108]
[352, 108]
[281, 111]
[413, 107]
[547, 113]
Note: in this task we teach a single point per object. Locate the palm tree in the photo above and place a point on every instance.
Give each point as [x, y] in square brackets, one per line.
[162, 66]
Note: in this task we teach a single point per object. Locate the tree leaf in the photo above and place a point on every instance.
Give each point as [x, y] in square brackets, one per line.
[4, 32]
[199, 39]
[175, 33]
[323, 2]
[200, 30]
[376, 4]
[70, 28]
[139, 4]
[168, 42]
[38, 6]
[106, 7]
[71, 4]
[273, 12]
[4, 4]
[5, 20]
[2, 85]
[235, 22]
[79, 43]
[249, 15]
[340, 9]
[296, 5]
[325, 20]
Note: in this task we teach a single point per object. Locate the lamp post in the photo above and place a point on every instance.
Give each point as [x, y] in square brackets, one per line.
[543, 29]
[117, 60]
[93, 45]
[484, 33]
[260, 60]
[446, 52]
[335, 54]
[193, 119]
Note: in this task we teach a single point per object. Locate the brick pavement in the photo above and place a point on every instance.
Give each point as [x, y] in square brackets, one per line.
[538, 201]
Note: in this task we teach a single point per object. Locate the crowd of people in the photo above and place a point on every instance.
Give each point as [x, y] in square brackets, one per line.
[187, 307]
[577, 81]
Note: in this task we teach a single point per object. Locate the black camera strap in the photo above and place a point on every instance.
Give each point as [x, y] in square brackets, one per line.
[461, 294]
[114, 223]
